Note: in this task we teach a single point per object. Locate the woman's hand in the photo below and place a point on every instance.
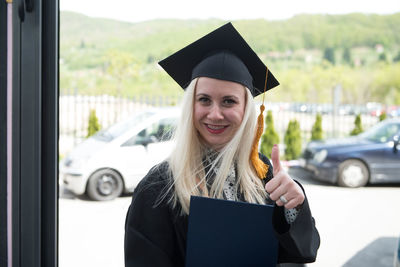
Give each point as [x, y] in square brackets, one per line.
[282, 187]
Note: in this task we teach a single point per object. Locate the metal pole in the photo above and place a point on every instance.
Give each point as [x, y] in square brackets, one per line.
[9, 132]
[336, 101]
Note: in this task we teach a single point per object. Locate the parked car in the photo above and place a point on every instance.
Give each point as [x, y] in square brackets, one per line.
[114, 160]
[371, 157]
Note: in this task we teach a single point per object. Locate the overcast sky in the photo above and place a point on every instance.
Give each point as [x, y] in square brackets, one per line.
[142, 10]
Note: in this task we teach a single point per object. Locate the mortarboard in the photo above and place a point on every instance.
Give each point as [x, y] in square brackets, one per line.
[222, 54]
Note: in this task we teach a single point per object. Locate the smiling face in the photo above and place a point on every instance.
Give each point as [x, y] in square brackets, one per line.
[218, 110]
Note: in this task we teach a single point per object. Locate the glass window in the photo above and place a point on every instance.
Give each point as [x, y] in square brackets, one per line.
[163, 130]
[158, 132]
[382, 133]
[121, 127]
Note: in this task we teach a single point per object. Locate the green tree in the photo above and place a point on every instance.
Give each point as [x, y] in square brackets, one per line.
[293, 140]
[347, 55]
[94, 125]
[383, 116]
[357, 126]
[329, 55]
[382, 57]
[120, 66]
[397, 58]
[270, 136]
[82, 45]
[385, 86]
[316, 132]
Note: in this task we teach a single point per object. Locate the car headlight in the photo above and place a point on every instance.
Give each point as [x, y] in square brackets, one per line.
[74, 163]
[320, 156]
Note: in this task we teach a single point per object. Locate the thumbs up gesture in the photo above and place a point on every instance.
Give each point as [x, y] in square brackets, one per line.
[282, 189]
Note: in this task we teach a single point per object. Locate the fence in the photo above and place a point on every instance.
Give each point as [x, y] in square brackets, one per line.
[74, 113]
[75, 109]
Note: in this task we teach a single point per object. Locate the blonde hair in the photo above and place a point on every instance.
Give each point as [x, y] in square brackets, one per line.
[186, 167]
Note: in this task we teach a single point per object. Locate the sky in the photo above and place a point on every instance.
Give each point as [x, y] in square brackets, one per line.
[143, 10]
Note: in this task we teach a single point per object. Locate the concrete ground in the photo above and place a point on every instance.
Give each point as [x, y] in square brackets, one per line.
[358, 227]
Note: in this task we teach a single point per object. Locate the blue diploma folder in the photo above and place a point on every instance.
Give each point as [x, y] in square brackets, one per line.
[230, 233]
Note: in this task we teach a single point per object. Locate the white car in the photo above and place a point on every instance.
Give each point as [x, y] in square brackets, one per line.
[114, 160]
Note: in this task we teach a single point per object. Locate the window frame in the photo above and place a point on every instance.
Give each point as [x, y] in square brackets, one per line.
[34, 145]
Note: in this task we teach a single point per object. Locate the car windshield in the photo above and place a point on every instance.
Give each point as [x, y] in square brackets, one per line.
[117, 129]
[382, 132]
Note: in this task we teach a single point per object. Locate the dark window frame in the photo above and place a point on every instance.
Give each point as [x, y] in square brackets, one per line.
[3, 133]
[34, 133]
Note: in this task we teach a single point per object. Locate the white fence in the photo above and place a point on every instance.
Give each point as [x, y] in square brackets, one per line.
[75, 109]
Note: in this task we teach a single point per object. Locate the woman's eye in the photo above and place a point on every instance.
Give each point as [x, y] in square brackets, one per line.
[229, 101]
[204, 100]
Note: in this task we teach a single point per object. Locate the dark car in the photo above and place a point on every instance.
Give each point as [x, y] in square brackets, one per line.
[370, 157]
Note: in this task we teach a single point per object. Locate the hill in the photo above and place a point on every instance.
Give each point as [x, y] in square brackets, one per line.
[115, 57]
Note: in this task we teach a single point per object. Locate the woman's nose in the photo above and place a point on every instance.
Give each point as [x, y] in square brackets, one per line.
[215, 113]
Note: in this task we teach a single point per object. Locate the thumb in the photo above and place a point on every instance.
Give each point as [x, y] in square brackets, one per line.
[275, 159]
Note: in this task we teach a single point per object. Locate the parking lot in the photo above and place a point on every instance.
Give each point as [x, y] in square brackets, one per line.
[358, 227]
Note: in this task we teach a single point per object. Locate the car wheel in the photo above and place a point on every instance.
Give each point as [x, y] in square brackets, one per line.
[353, 173]
[104, 185]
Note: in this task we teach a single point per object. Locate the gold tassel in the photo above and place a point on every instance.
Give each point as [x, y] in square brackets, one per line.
[260, 167]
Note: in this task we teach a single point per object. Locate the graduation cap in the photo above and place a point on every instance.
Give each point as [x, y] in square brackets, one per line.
[222, 54]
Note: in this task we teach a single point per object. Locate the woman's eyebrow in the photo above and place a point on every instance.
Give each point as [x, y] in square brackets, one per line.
[231, 96]
[202, 94]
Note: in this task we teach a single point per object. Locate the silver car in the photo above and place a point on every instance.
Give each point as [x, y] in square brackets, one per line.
[113, 161]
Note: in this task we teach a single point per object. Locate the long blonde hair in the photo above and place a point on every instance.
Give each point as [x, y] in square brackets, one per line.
[186, 160]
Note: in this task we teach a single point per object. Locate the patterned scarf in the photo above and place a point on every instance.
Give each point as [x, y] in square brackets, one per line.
[230, 190]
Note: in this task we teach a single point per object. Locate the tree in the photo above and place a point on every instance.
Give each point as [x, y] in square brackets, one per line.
[293, 140]
[270, 136]
[397, 58]
[382, 57]
[316, 132]
[329, 55]
[94, 125]
[347, 55]
[357, 126]
[119, 67]
[82, 45]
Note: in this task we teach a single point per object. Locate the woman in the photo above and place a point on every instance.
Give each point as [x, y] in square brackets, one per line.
[214, 157]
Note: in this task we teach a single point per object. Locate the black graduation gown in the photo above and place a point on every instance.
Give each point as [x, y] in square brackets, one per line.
[155, 234]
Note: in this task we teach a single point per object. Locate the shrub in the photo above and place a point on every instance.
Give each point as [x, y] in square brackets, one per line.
[270, 136]
[357, 126]
[316, 132]
[293, 140]
[94, 125]
[383, 116]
